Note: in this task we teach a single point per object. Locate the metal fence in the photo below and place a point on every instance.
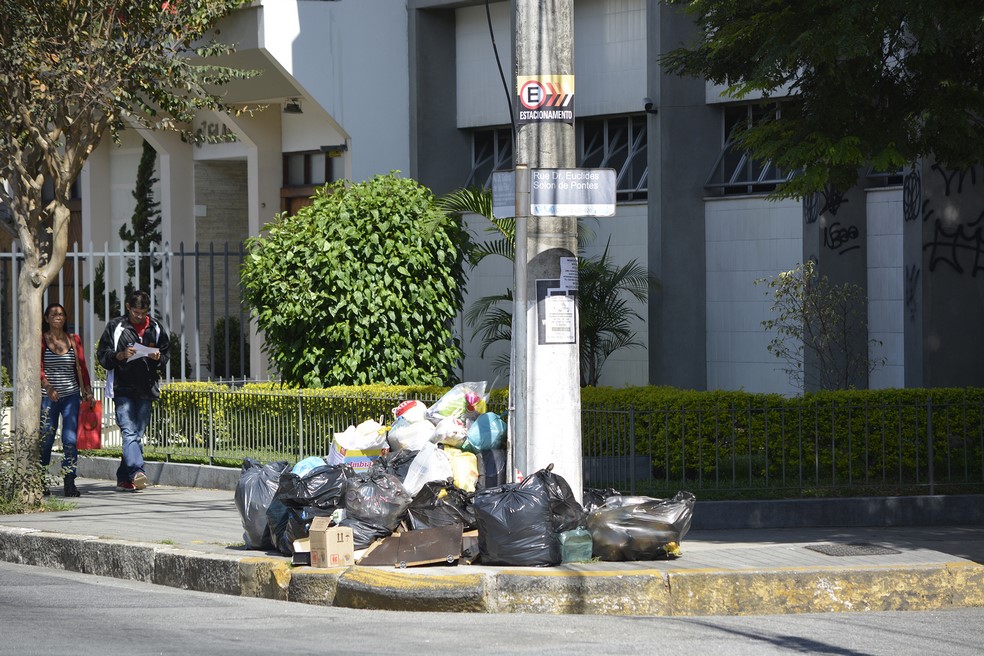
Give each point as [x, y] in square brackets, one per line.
[798, 448]
[195, 292]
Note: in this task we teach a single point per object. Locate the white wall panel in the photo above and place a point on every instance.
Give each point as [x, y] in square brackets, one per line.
[481, 98]
[609, 60]
[886, 306]
[609, 56]
[746, 239]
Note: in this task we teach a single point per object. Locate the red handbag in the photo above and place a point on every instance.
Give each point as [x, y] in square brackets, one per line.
[89, 433]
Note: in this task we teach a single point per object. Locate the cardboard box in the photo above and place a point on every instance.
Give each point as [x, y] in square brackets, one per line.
[331, 546]
[358, 460]
[302, 552]
[422, 547]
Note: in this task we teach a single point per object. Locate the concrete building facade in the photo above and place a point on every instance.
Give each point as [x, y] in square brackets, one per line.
[415, 87]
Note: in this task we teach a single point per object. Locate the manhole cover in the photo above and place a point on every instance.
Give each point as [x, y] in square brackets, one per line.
[856, 549]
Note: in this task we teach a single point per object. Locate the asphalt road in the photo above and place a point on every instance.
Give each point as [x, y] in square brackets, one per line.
[45, 611]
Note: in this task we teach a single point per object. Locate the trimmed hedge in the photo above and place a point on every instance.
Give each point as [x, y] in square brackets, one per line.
[689, 439]
[822, 439]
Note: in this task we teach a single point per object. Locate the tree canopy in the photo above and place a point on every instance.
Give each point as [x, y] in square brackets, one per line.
[879, 83]
[72, 73]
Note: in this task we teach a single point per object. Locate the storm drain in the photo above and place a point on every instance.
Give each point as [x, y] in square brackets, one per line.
[854, 549]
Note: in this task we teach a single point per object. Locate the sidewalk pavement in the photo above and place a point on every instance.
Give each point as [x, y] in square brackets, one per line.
[192, 538]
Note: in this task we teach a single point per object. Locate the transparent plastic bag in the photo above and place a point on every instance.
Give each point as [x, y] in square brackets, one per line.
[640, 528]
[466, 401]
[431, 464]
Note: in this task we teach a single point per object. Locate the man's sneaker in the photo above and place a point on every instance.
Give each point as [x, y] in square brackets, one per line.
[140, 481]
[126, 486]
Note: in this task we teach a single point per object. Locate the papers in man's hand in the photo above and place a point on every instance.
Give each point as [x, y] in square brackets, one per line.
[142, 351]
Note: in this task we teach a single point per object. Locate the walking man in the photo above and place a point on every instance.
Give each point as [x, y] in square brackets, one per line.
[134, 350]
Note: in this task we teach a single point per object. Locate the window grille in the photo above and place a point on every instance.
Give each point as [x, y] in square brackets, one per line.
[619, 143]
[735, 171]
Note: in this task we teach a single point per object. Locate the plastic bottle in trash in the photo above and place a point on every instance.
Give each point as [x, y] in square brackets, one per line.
[575, 546]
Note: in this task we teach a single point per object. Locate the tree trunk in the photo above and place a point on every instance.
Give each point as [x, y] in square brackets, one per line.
[35, 276]
[26, 435]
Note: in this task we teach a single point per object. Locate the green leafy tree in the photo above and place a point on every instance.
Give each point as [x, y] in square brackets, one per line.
[74, 72]
[362, 286]
[872, 83]
[143, 233]
[821, 330]
[604, 314]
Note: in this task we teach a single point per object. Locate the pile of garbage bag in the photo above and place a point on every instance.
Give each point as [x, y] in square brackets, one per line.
[445, 466]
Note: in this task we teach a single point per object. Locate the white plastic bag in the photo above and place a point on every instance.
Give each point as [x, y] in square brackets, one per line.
[450, 431]
[411, 410]
[410, 435]
[366, 436]
[431, 464]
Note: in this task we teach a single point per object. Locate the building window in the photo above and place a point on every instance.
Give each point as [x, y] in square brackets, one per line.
[303, 172]
[735, 172]
[492, 150]
[307, 168]
[618, 143]
[878, 178]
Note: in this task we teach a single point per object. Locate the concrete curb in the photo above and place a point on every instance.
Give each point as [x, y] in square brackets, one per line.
[568, 589]
[165, 473]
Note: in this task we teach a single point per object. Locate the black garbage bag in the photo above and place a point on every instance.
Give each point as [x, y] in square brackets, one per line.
[299, 521]
[255, 490]
[491, 468]
[322, 487]
[515, 526]
[595, 497]
[441, 504]
[377, 498]
[396, 462]
[364, 532]
[640, 528]
[278, 519]
[567, 513]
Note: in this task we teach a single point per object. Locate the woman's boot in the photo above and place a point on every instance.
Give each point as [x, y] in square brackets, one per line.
[70, 489]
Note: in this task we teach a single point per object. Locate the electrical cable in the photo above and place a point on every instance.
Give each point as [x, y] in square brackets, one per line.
[498, 63]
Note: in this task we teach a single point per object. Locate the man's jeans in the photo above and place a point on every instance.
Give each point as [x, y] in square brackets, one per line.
[132, 416]
[66, 408]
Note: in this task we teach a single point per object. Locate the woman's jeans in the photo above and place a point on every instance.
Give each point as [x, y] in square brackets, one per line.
[132, 416]
[67, 409]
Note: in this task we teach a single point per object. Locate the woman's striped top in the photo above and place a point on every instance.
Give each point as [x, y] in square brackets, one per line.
[60, 372]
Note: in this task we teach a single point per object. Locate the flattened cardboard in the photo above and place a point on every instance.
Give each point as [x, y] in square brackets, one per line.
[422, 547]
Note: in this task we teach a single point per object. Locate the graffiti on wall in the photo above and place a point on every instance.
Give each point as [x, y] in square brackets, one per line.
[912, 195]
[960, 246]
[841, 238]
[828, 200]
[912, 274]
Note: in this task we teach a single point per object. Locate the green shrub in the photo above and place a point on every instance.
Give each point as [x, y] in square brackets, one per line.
[360, 287]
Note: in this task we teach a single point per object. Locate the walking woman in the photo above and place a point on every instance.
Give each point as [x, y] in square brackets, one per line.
[66, 383]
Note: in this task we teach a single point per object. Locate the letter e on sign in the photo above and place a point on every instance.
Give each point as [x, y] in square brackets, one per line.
[532, 95]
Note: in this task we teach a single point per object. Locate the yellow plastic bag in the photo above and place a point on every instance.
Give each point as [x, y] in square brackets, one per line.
[464, 467]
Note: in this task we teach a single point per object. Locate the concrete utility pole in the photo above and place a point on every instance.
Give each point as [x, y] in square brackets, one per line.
[550, 389]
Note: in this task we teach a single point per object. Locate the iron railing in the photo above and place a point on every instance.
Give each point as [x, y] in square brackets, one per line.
[195, 292]
[797, 448]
